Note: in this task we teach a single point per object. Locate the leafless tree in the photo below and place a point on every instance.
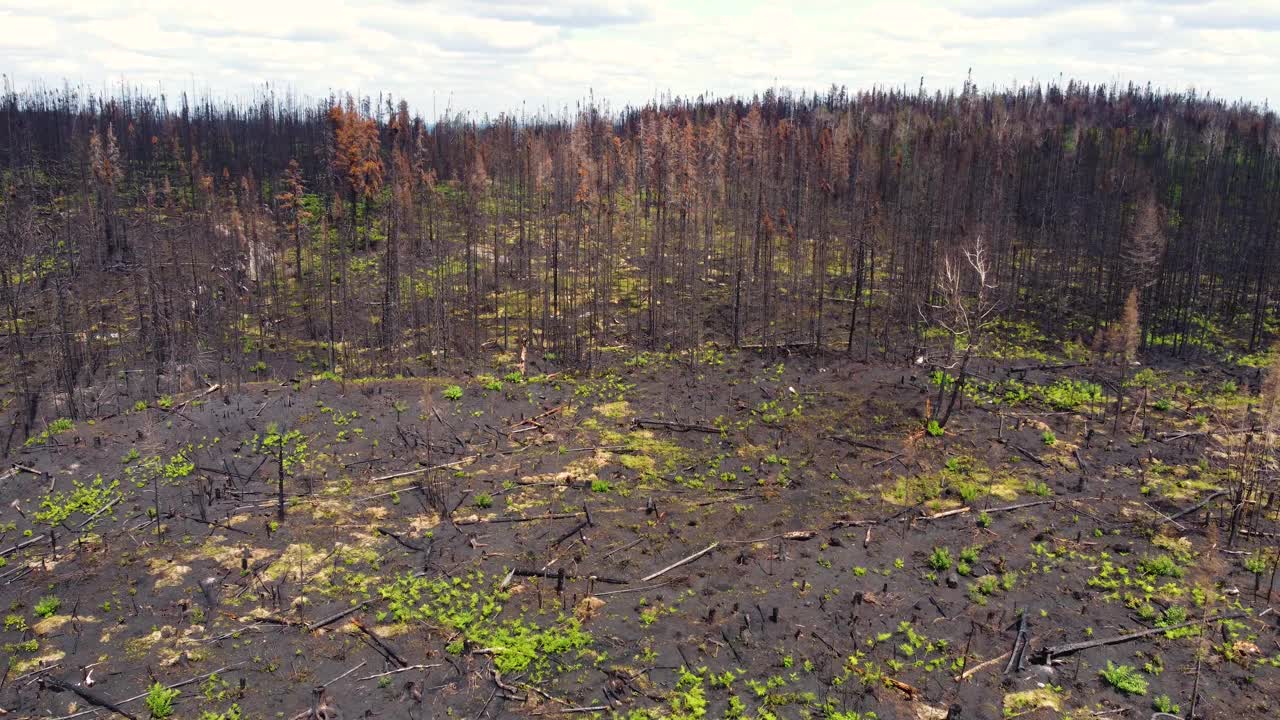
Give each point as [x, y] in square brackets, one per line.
[965, 307]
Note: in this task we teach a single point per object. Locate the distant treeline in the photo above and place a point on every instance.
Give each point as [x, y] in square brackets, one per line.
[150, 241]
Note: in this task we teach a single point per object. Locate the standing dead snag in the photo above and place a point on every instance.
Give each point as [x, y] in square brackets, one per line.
[964, 310]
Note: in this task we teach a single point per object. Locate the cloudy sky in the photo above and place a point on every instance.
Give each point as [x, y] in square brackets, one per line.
[490, 56]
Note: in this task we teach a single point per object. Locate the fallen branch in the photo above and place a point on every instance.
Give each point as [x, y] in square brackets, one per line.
[211, 389]
[982, 666]
[567, 576]
[1016, 655]
[676, 426]
[536, 418]
[792, 535]
[212, 523]
[853, 523]
[139, 696]
[680, 562]
[1168, 436]
[519, 518]
[1030, 455]
[398, 670]
[1197, 506]
[417, 471]
[336, 616]
[859, 443]
[387, 651]
[88, 696]
[946, 514]
[400, 540]
[1019, 506]
[362, 664]
[1047, 654]
[906, 689]
[631, 590]
[25, 543]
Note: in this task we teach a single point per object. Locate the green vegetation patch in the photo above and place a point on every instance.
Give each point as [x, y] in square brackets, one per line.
[468, 609]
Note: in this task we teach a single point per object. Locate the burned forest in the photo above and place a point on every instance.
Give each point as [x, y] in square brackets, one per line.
[846, 406]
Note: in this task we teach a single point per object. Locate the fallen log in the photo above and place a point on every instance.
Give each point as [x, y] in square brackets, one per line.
[1049, 653]
[332, 618]
[1197, 506]
[401, 541]
[88, 696]
[139, 696]
[1030, 455]
[386, 650]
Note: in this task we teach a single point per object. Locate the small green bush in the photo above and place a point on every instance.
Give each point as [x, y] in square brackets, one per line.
[453, 392]
[1124, 678]
[940, 559]
[159, 701]
[1163, 703]
[1160, 566]
[1068, 394]
[47, 606]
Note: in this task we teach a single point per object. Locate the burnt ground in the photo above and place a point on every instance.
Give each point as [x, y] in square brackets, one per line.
[431, 532]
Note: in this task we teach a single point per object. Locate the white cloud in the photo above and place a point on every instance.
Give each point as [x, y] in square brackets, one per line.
[490, 56]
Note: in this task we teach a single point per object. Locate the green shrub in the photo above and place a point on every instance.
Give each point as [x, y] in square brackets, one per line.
[159, 701]
[453, 392]
[57, 427]
[940, 559]
[1038, 487]
[47, 606]
[1124, 678]
[1160, 566]
[1068, 394]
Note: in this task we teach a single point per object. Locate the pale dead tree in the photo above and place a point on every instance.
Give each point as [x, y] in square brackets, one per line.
[966, 305]
[1147, 244]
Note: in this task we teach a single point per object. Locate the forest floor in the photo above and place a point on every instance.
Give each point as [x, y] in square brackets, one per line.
[772, 536]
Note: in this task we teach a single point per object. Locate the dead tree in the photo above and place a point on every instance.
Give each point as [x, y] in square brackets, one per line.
[965, 308]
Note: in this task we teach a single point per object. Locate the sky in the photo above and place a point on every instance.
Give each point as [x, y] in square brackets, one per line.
[493, 56]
